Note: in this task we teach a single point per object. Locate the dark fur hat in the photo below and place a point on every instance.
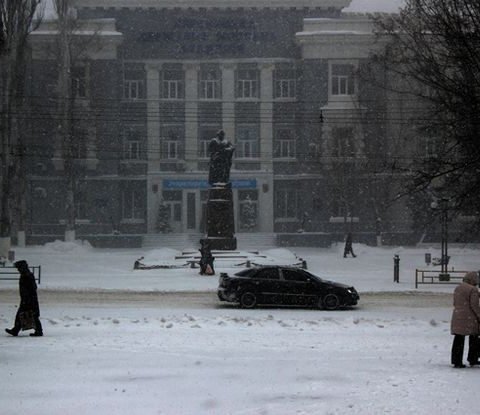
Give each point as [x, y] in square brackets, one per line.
[21, 265]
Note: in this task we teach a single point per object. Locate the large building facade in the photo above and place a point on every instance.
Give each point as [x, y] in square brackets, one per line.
[158, 78]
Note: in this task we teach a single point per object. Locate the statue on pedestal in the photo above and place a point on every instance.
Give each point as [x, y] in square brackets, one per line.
[221, 153]
[220, 218]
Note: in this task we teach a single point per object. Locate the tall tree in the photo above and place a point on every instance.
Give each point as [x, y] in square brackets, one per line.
[433, 54]
[66, 25]
[16, 22]
[73, 48]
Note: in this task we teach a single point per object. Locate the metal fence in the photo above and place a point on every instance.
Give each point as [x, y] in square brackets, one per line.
[11, 273]
[423, 276]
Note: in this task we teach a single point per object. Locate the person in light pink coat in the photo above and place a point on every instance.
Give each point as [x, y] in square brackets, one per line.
[466, 320]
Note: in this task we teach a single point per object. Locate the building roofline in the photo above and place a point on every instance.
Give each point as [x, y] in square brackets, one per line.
[213, 4]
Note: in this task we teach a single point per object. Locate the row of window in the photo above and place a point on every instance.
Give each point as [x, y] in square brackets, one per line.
[133, 205]
[247, 83]
[247, 143]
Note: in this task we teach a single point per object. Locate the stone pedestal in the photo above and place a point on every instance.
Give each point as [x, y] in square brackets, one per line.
[220, 219]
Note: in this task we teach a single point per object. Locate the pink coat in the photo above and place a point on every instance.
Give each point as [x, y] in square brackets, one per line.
[466, 312]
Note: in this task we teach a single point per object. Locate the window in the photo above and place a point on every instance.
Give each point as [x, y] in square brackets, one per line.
[132, 150]
[340, 208]
[79, 82]
[430, 147]
[342, 79]
[284, 144]
[79, 144]
[292, 275]
[132, 139]
[247, 83]
[268, 274]
[343, 143]
[80, 206]
[286, 204]
[173, 85]
[173, 202]
[209, 84]
[284, 83]
[171, 142]
[132, 205]
[247, 142]
[205, 135]
[134, 85]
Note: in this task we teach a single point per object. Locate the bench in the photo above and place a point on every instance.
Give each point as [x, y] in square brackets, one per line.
[11, 273]
[423, 276]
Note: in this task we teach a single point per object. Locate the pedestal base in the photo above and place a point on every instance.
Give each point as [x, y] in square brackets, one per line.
[220, 220]
[221, 244]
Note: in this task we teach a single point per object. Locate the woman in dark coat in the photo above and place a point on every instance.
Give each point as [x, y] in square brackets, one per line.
[466, 320]
[28, 302]
[206, 259]
[348, 246]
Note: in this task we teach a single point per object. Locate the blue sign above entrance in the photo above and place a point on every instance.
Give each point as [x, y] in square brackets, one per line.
[203, 184]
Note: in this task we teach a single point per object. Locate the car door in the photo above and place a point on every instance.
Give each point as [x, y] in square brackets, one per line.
[300, 288]
[267, 282]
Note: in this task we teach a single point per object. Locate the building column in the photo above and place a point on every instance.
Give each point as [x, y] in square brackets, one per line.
[191, 116]
[228, 101]
[153, 142]
[153, 118]
[266, 117]
[92, 160]
[265, 184]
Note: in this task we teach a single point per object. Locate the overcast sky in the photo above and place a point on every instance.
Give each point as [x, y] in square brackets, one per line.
[374, 5]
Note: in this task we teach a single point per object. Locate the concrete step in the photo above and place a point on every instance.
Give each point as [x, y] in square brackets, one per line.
[178, 241]
[181, 241]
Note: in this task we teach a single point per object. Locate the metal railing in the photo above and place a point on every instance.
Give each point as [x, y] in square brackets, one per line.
[11, 273]
[423, 276]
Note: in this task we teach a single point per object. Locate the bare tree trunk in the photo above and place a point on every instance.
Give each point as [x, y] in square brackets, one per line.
[66, 114]
[16, 22]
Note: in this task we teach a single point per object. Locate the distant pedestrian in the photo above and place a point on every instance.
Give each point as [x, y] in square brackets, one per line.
[466, 320]
[348, 246]
[28, 313]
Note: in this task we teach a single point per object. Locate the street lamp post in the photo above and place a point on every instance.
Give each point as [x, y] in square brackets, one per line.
[443, 206]
[444, 273]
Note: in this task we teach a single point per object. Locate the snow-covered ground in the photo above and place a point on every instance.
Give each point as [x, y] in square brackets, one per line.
[131, 357]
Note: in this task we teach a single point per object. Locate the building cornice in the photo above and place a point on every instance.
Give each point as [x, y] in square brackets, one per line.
[213, 4]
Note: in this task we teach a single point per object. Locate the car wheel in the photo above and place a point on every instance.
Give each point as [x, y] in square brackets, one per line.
[331, 302]
[248, 299]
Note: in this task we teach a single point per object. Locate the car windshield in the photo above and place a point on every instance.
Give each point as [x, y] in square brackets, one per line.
[315, 277]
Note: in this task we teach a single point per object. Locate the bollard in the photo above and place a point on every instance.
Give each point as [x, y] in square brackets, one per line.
[428, 258]
[11, 256]
[396, 269]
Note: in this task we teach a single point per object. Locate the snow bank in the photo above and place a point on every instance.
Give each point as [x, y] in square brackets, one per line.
[77, 246]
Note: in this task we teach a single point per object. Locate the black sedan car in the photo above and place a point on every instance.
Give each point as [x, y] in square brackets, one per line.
[284, 285]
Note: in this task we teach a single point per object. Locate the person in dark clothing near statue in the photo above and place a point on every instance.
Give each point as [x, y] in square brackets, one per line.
[206, 259]
[28, 313]
[348, 246]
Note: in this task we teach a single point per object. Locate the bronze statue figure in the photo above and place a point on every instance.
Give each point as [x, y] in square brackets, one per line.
[221, 153]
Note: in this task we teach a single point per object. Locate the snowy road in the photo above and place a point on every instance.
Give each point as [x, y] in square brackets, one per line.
[196, 300]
